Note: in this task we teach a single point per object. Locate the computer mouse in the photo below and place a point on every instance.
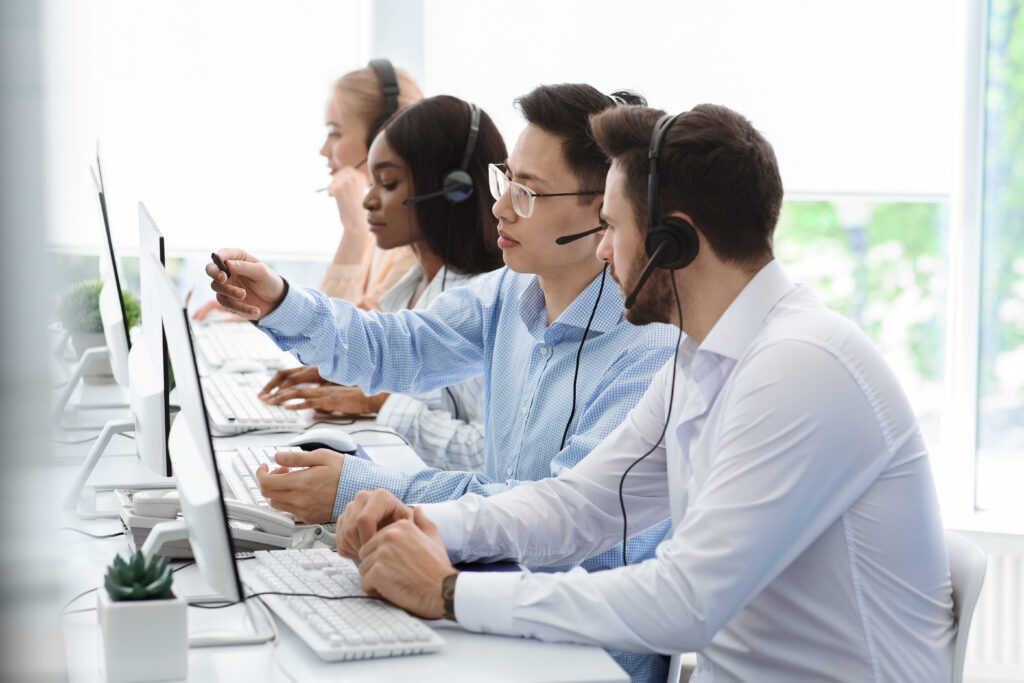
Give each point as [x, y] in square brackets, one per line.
[333, 438]
[243, 365]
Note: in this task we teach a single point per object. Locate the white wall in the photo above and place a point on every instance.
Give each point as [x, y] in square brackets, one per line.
[855, 97]
[209, 112]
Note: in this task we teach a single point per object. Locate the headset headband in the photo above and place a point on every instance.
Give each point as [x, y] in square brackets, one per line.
[388, 83]
[474, 130]
[457, 184]
[657, 138]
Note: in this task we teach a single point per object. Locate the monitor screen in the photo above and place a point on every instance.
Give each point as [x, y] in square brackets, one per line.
[150, 362]
[199, 487]
[102, 194]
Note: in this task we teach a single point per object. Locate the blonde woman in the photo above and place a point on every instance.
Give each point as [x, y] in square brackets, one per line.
[360, 102]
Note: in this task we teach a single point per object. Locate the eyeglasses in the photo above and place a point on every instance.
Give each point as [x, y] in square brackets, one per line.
[522, 196]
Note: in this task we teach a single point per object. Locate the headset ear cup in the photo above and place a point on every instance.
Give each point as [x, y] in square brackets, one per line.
[680, 240]
[457, 186]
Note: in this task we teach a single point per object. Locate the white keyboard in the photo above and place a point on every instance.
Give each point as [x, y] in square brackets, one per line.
[235, 407]
[334, 629]
[239, 469]
[221, 342]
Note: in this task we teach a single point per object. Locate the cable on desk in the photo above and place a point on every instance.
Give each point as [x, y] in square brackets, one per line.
[347, 423]
[64, 612]
[86, 533]
[383, 431]
[222, 605]
[264, 612]
[257, 431]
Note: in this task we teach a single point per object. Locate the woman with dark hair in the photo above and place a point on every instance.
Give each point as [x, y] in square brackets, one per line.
[421, 150]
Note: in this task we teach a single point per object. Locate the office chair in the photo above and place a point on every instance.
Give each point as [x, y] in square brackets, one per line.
[967, 572]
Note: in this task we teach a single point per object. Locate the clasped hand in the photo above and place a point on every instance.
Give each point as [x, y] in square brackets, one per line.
[402, 556]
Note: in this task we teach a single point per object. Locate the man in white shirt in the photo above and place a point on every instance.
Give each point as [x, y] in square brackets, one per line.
[806, 541]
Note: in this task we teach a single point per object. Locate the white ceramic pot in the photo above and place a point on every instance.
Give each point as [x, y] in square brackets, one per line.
[143, 640]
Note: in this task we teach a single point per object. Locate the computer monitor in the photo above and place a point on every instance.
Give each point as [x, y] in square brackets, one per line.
[114, 317]
[113, 312]
[101, 191]
[191, 448]
[149, 365]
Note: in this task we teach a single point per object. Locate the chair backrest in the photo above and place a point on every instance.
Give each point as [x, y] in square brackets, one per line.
[967, 572]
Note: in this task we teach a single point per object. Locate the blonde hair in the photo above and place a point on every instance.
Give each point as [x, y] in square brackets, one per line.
[360, 90]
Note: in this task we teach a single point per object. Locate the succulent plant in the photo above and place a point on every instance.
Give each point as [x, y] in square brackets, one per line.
[137, 579]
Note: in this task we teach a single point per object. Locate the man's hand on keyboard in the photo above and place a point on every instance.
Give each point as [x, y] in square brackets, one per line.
[407, 563]
[329, 398]
[306, 493]
[252, 291]
[367, 513]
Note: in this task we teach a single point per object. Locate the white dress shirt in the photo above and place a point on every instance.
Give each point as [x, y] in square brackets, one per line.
[806, 543]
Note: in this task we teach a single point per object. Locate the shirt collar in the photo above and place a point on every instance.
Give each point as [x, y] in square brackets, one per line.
[533, 310]
[734, 331]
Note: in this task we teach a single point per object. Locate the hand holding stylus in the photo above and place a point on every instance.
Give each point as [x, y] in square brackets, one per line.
[245, 285]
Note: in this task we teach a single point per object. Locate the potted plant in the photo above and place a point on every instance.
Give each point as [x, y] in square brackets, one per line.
[143, 625]
[79, 311]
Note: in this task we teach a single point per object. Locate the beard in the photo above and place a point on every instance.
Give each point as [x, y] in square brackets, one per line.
[656, 300]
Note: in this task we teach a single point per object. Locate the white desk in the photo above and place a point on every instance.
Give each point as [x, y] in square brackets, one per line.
[465, 656]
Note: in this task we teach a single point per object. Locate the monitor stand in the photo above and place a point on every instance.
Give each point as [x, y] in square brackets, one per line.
[177, 530]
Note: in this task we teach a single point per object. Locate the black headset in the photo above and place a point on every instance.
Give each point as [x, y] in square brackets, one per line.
[671, 242]
[457, 185]
[389, 90]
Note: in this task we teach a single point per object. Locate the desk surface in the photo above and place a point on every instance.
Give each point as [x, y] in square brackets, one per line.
[465, 656]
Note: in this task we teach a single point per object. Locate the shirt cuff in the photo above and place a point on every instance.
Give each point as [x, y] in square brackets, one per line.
[484, 601]
[359, 474]
[448, 520]
[292, 315]
[339, 501]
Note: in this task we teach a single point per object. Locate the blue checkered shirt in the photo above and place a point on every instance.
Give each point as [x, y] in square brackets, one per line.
[496, 327]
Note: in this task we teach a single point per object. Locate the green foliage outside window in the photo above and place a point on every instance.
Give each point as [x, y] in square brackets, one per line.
[1002, 300]
[887, 275]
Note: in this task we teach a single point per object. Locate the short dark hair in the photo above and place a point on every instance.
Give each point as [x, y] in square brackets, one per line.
[430, 136]
[714, 166]
[564, 110]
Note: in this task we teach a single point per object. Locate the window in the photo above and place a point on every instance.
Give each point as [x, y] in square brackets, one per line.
[883, 265]
[1000, 432]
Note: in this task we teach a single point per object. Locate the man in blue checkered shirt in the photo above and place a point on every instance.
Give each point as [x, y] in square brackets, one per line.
[521, 327]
